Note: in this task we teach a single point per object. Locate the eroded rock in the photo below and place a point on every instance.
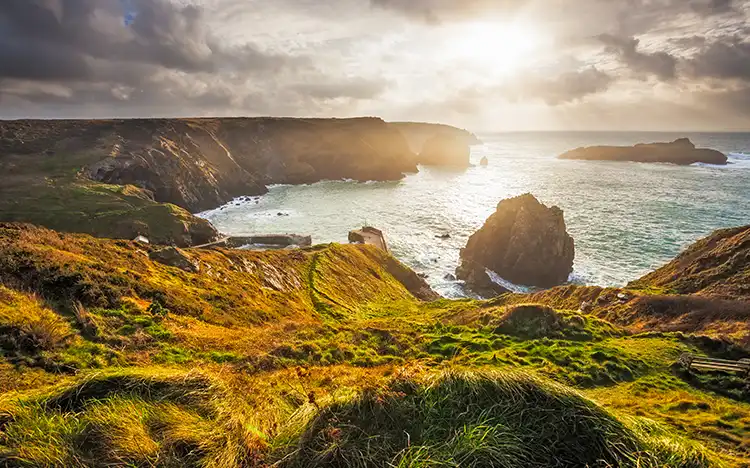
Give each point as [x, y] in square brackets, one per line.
[174, 257]
[524, 242]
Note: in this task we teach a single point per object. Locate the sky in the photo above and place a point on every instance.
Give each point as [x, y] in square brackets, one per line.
[485, 65]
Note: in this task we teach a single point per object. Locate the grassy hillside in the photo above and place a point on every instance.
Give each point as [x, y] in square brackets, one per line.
[50, 190]
[717, 266]
[323, 357]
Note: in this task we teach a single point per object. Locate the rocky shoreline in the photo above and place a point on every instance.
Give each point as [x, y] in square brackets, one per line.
[122, 170]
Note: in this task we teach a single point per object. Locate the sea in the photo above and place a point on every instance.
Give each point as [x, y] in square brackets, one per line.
[626, 218]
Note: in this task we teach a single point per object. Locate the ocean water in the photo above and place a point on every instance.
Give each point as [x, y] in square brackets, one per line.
[626, 218]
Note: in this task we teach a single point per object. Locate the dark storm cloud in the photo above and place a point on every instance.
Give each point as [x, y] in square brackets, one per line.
[726, 58]
[166, 57]
[163, 34]
[712, 7]
[40, 61]
[661, 64]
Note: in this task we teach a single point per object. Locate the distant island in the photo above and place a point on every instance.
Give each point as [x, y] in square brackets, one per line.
[681, 152]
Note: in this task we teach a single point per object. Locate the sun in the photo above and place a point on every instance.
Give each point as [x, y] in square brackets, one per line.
[502, 46]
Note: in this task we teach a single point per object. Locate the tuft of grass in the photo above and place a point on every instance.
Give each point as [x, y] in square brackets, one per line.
[482, 419]
[133, 418]
[27, 327]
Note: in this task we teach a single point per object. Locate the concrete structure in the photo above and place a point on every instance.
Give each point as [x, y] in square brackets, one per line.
[369, 235]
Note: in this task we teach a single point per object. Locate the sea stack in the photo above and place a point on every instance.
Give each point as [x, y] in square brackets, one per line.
[681, 152]
[524, 242]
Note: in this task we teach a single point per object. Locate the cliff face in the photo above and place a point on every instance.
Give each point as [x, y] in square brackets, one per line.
[681, 152]
[447, 151]
[201, 163]
[417, 134]
[82, 168]
[717, 266]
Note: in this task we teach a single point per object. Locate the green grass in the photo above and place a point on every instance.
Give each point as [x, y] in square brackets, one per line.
[481, 419]
[74, 204]
[143, 418]
[323, 355]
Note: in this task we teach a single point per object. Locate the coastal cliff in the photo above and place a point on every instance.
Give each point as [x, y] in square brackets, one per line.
[681, 152]
[103, 177]
[417, 134]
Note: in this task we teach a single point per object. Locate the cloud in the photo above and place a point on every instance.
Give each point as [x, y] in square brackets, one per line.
[356, 88]
[434, 11]
[725, 58]
[712, 7]
[68, 58]
[661, 64]
[565, 88]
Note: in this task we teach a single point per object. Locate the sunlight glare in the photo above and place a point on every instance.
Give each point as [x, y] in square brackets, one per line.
[502, 47]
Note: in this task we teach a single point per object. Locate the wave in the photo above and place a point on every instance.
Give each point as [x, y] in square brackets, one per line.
[736, 161]
[507, 284]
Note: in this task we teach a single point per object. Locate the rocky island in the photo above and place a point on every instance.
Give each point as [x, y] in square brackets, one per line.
[681, 152]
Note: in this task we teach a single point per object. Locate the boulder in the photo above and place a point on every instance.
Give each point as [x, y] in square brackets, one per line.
[174, 257]
[445, 150]
[477, 280]
[681, 151]
[524, 242]
[484, 162]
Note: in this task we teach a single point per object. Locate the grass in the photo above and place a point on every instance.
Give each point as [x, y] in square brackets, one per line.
[147, 417]
[324, 356]
[60, 199]
[481, 419]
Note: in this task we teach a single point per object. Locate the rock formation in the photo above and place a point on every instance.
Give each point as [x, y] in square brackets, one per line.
[717, 266]
[524, 242]
[417, 133]
[477, 280]
[117, 178]
[174, 257]
[445, 150]
[682, 152]
[271, 240]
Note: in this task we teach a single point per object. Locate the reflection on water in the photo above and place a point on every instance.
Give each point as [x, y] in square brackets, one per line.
[626, 218]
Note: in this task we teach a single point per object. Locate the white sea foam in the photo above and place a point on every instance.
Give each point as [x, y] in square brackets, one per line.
[507, 284]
